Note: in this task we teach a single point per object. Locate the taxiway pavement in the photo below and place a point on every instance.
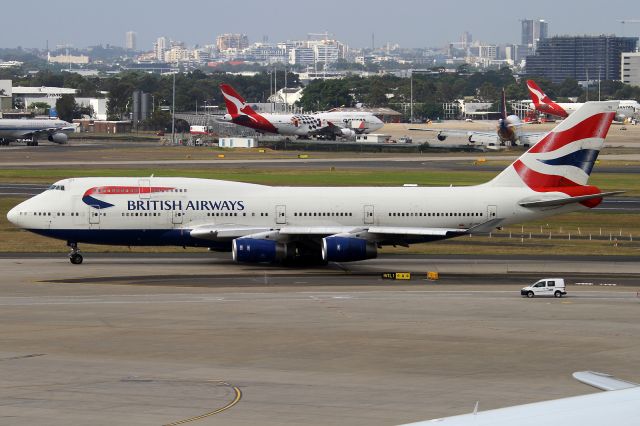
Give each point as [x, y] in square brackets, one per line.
[144, 339]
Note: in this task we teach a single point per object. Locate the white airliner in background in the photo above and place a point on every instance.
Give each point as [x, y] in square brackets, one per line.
[543, 103]
[619, 406]
[53, 130]
[270, 224]
[329, 124]
[508, 133]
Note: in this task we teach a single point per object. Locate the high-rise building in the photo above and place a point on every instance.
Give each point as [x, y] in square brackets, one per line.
[232, 41]
[581, 58]
[631, 68]
[130, 40]
[160, 46]
[466, 39]
[533, 31]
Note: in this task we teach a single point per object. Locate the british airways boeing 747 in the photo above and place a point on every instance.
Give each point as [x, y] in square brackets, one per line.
[271, 224]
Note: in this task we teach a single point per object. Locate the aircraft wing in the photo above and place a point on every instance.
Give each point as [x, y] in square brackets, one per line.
[382, 234]
[603, 381]
[445, 133]
[620, 407]
[225, 232]
[532, 138]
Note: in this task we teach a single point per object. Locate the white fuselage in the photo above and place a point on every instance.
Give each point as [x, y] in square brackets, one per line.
[309, 124]
[626, 109]
[165, 214]
[21, 128]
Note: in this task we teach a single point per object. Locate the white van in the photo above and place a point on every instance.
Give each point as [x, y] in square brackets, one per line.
[545, 287]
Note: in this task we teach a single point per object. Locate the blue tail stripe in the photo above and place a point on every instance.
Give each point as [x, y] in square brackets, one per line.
[583, 159]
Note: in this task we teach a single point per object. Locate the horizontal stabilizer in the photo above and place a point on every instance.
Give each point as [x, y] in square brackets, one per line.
[554, 202]
[603, 381]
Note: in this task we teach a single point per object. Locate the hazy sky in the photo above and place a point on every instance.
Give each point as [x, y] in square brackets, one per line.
[411, 23]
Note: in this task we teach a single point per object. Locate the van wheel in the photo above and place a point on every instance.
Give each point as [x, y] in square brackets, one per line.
[530, 294]
[557, 294]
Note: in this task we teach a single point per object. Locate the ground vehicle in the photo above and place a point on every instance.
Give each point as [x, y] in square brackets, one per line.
[545, 287]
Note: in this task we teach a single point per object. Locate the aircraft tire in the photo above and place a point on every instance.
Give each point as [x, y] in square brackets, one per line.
[76, 258]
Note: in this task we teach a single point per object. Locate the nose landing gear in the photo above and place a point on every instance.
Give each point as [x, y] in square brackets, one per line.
[74, 256]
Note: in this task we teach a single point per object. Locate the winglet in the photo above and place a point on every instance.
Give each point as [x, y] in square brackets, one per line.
[603, 381]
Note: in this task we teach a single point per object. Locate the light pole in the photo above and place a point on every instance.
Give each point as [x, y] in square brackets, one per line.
[173, 112]
[411, 90]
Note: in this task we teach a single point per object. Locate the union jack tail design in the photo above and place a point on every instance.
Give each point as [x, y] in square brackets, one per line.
[563, 160]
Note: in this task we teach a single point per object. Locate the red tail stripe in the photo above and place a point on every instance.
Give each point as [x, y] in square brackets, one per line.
[595, 126]
[540, 182]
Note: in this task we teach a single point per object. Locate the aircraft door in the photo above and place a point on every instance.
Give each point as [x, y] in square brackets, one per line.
[177, 217]
[94, 215]
[281, 215]
[492, 212]
[368, 215]
[144, 187]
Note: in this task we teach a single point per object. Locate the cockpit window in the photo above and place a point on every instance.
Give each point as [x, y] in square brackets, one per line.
[56, 188]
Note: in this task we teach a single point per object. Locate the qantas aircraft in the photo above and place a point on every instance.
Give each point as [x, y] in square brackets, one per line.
[508, 132]
[260, 223]
[331, 124]
[544, 104]
[53, 130]
[619, 406]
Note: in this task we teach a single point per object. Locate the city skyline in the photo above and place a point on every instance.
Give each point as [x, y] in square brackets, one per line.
[411, 24]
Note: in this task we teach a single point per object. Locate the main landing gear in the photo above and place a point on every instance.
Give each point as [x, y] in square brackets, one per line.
[74, 256]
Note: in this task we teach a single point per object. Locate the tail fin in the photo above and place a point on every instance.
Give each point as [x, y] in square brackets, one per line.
[503, 105]
[542, 102]
[564, 158]
[536, 93]
[236, 105]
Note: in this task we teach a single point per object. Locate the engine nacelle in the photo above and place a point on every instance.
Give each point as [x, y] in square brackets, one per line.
[441, 137]
[348, 133]
[251, 250]
[346, 249]
[59, 137]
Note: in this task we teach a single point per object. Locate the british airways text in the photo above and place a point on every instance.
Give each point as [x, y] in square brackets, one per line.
[198, 205]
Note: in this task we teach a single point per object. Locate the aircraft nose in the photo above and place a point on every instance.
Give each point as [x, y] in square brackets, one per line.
[13, 215]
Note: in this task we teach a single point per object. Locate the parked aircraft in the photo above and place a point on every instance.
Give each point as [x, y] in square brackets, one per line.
[260, 223]
[619, 406]
[54, 130]
[329, 124]
[544, 104]
[508, 133]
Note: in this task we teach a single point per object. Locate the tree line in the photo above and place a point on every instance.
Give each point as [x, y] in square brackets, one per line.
[430, 90]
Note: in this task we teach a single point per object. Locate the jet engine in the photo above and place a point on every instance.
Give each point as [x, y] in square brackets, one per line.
[348, 133]
[59, 137]
[252, 250]
[347, 249]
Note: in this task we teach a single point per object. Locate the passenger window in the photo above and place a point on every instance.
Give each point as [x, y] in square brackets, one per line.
[540, 284]
[551, 283]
